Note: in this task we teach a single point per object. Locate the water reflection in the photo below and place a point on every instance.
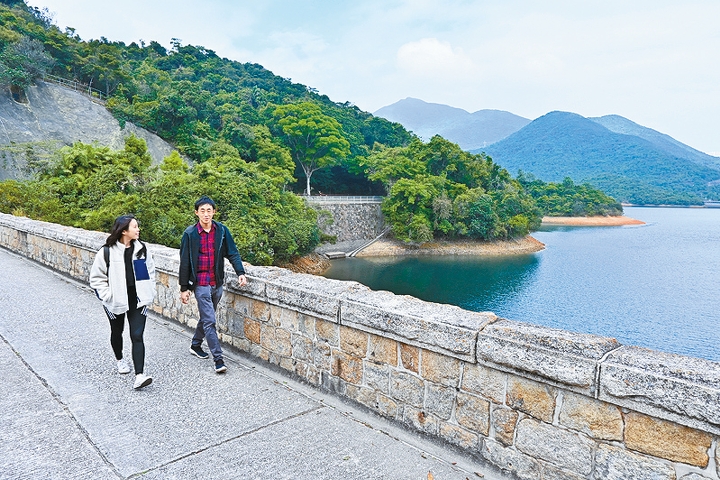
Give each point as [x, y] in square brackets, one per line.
[474, 283]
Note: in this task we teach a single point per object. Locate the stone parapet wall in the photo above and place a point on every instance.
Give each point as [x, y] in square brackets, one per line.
[349, 218]
[536, 402]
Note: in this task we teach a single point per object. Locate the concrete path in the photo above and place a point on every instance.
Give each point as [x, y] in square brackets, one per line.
[66, 413]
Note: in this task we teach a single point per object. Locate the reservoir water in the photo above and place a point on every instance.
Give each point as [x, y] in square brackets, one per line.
[655, 285]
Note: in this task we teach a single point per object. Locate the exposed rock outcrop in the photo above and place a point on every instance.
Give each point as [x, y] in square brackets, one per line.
[54, 116]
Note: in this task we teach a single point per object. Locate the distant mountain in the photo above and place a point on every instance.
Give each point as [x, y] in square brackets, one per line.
[618, 124]
[638, 166]
[469, 130]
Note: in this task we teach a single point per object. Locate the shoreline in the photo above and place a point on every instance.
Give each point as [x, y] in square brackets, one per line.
[592, 221]
[386, 248]
[317, 264]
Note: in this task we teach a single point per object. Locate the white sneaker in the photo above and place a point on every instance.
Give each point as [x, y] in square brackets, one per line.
[141, 380]
[123, 366]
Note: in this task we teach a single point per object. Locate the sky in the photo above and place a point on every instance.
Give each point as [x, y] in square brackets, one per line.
[655, 62]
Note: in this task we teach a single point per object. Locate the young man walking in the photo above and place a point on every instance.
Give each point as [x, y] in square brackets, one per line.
[203, 251]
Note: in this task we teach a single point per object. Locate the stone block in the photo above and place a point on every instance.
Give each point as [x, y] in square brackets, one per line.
[377, 376]
[260, 311]
[615, 463]
[353, 342]
[694, 476]
[278, 342]
[347, 367]
[327, 332]
[257, 280]
[552, 473]
[410, 357]
[332, 383]
[420, 420]
[276, 312]
[437, 327]
[306, 325]
[387, 407]
[458, 436]
[251, 329]
[563, 448]
[288, 320]
[264, 354]
[301, 368]
[534, 398]
[363, 395]
[407, 388]
[235, 324]
[302, 348]
[510, 461]
[592, 417]
[667, 440]
[675, 387]
[383, 350]
[568, 358]
[504, 420]
[322, 356]
[313, 375]
[488, 382]
[440, 368]
[286, 363]
[310, 294]
[439, 400]
[473, 413]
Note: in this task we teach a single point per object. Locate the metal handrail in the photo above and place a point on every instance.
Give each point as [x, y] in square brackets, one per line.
[343, 198]
[93, 93]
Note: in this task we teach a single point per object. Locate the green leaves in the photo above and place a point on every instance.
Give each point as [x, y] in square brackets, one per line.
[567, 199]
[89, 186]
[437, 189]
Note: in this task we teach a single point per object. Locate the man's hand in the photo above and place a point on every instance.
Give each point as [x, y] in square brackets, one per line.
[242, 280]
[185, 296]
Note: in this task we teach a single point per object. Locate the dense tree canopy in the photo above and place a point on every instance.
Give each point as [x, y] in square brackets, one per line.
[89, 186]
[435, 189]
[567, 199]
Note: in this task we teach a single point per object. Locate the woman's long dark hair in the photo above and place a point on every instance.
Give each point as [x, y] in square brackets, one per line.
[121, 224]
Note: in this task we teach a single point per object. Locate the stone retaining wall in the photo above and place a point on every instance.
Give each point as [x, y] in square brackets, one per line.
[349, 220]
[536, 402]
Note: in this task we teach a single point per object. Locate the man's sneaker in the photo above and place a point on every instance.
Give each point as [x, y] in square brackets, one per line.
[141, 380]
[198, 352]
[220, 367]
[123, 366]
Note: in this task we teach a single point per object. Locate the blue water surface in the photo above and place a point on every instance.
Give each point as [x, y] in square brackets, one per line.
[652, 285]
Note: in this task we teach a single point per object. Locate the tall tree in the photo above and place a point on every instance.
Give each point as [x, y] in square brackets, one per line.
[315, 140]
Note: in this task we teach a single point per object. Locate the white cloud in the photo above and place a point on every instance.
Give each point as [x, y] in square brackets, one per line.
[432, 58]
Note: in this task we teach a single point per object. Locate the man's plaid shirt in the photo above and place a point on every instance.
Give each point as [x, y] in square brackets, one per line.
[206, 260]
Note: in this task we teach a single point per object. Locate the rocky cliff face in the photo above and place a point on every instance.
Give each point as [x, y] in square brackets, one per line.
[58, 116]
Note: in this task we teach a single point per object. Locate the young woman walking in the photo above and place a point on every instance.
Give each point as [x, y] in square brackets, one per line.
[123, 276]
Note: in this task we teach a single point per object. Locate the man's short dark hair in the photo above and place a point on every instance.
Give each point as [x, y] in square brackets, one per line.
[204, 200]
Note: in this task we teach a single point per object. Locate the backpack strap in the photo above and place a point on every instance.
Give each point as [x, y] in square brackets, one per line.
[106, 251]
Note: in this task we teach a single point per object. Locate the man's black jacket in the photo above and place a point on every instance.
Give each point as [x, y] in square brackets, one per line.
[190, 251]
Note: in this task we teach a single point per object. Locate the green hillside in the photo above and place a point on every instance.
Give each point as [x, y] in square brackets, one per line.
[187, 95]
[253, 139]
[630, 168]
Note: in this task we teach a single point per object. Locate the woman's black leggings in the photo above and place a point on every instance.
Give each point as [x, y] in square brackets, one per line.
[136, 319]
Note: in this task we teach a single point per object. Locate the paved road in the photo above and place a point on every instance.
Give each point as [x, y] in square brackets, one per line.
[67, 414]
